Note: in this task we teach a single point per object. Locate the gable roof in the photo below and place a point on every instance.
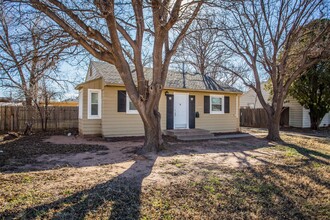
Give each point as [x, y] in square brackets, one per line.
[111, 76]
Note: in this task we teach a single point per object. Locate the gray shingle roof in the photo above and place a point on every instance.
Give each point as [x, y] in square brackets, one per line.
[111, 76]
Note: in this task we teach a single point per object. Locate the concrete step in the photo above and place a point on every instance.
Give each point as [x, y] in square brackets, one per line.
[195, 137]
[188, 132]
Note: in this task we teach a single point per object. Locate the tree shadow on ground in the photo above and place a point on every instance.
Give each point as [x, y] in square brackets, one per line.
[119, 198]
[284, 189]
[122, 192]
[312, 155]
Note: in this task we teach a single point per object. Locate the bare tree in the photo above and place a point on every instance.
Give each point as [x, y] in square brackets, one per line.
[30, 48]
[201, 50]
[116, 32]
[46, 93]
[262, 36]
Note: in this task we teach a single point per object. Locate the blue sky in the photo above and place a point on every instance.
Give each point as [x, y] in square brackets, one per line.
[72, 72]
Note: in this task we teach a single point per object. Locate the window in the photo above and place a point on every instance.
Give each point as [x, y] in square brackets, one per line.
[94, 104]
[216, 104]
[81, 104]
[130, 108]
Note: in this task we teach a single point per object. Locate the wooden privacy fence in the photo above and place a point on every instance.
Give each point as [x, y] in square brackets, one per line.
[258, 117]
[14, 118]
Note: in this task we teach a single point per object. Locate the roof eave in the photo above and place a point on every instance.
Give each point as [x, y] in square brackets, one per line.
[183, 89]
[78, 87]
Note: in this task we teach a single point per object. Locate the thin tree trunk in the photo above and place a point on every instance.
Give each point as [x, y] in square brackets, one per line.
[29, 115]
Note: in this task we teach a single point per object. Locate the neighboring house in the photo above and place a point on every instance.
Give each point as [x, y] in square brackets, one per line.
[193, 102]
[9, 102]
[61, 103]
[298, 115]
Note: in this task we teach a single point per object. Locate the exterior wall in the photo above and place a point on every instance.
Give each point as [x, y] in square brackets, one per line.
[250, 99]
[90, 126]
[326, 120]
[298, 115]
[115, 124]
[307, 122]
[228, 122]
[295, 112]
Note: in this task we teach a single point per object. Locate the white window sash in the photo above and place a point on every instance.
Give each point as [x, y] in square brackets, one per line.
[222, 104]
[128, 101]
[98, 92]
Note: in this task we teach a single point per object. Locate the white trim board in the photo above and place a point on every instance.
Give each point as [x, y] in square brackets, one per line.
[99, 103]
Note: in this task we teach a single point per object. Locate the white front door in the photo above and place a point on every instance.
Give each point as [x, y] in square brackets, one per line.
[181, 111]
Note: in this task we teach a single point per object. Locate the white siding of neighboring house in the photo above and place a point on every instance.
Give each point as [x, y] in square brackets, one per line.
[295, 112]
[306, 119]
[326, 120]
[249, 99]
[298, 115]
[307, 123]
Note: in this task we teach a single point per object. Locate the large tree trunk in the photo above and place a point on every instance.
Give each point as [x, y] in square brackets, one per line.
[153, 140]
[28, 101]
[274, 126]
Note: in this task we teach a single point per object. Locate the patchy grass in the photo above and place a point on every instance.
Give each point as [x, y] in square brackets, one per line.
[293, 184]
[177, 163]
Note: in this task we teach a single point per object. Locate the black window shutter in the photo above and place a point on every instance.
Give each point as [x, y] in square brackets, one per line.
[192, 111]
[121, 101]
[169, 111]
[227, 104]
[206, 104]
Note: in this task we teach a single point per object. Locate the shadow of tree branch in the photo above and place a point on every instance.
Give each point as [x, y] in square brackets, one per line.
[120, 196]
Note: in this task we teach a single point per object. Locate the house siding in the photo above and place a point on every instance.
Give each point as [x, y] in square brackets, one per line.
[90, 126]
[298, 115]
[295, 112]
[326, 120]
[228, 122]
[307, 122]
[115, 124]
[250, 99]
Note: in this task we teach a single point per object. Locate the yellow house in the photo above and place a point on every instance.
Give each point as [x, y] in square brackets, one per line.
[188, 101]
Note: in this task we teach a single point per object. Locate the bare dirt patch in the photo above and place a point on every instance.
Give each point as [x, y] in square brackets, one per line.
[15, 154]
[246, 178]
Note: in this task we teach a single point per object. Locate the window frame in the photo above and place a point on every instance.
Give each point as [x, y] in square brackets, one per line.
[129, 111]
[99, 103]
[222, 104]
[81, 104]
